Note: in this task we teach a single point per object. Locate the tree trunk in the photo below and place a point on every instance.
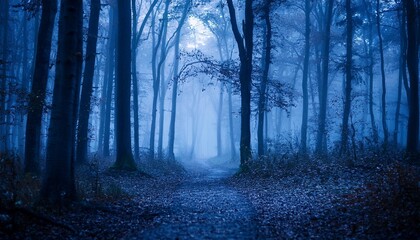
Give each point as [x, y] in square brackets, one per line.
[370, 72]
[413, 70]
[349, 78]
[219, 122]
[24, 84]
[3, 76]
[162, 94]
[231, 129]
[229, 90]
[58, 184]
[383, 96]
[85, 101]
[321, 146]
[305, 75]
[102, 110]
[39, 85]
[110, 82]
[135, 44]
[161, 78]
[156, 75]
[264, 79]
[402, 69]
[135, 82]
[245, 46]
[124, 159]
[404, 62]
[78, 83]
[171, 137]
[154, 102]
[107, 123]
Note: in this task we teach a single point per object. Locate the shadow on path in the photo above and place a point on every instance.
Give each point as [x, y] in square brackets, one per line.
[204, 207]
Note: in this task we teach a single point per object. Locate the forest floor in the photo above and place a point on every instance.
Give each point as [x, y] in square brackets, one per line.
[276, 200]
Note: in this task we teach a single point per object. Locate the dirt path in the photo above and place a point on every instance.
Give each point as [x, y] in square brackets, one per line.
[205, 207]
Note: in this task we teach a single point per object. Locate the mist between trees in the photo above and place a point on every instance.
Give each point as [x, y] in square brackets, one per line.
[160, 80]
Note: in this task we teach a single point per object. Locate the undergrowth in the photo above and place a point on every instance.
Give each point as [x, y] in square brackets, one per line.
[378, 193]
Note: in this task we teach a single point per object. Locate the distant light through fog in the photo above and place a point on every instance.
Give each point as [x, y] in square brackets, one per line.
[199, 34]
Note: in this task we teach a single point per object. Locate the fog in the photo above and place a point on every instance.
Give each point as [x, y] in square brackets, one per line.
[208, 99]
[223, 119]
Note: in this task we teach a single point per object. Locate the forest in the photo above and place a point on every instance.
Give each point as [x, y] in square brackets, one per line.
[209, 119]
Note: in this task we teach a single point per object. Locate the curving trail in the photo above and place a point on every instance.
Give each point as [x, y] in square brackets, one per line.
[204, 207]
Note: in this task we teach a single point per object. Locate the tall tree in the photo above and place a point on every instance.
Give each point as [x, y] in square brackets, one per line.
[125, 160]
[383, 78]
[76, 96]
[104, 89]
[3, 75]
[321, 142]
[25, 81]
[110, 81]
[39, 85]
[219, 122]
[58, 183]
[135, 44]
[85, 101]
[135, 80]
[231, 128]
[177, 40]
[266, 68]
[245, 46]
[305, 75]
[402, 71]
[349, 77]
[156, 69]
[369, 49]
[164, 49]
[413, 70]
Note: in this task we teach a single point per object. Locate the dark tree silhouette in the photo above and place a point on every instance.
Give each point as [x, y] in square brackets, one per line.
[383, 77]
[85, 101]
[245, 47]
[264, 79]
[156, 69]
[135, 44]
[125, 160]
[305, 75]
[402, 75]
[349, 78]
[181, 23]
[5, 5]
[58, 183]
[368, 8]
[39, 85]
[413, 70]
[321, 142]
[110, 80]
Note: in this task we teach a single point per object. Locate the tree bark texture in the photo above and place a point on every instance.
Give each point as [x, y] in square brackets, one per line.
[245, 46]
[85, 101]
[321, 134]
[38, 88]
[264, 80]
[58, 184]
[124, 160]
[110, 81]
